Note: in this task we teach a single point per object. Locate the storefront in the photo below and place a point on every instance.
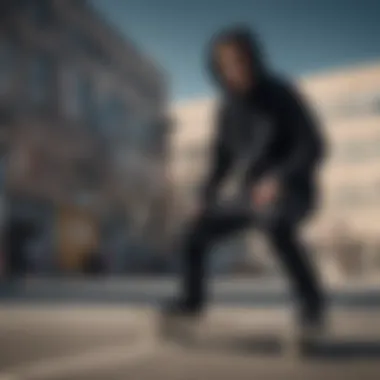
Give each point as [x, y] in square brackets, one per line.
[77, 239]
[30, 236]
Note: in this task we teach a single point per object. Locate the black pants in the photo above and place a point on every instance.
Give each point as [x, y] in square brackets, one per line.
[282, 232]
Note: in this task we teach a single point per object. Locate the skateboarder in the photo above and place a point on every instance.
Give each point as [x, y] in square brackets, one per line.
[263, 123]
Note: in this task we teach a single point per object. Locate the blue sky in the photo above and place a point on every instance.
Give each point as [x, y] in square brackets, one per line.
[300, 36]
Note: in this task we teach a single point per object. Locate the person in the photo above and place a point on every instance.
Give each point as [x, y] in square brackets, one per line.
[281, 181]
[18, 234]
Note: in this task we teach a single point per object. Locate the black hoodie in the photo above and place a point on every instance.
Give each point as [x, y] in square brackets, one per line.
[273, 112]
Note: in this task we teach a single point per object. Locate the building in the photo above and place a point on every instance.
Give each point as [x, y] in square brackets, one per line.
[191, 139]
[348, 104]
[83, 121]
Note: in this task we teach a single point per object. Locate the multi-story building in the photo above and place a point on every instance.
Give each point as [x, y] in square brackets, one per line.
[82, 116]
[348, 104]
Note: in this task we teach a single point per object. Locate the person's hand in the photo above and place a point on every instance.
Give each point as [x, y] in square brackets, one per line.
[266, 192]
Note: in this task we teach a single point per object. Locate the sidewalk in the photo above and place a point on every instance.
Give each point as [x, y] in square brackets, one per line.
[121, 343]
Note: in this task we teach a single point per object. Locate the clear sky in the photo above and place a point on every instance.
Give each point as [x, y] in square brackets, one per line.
[300, 36]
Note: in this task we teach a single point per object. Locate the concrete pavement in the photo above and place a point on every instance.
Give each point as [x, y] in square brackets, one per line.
[151, 291]
[120, 343]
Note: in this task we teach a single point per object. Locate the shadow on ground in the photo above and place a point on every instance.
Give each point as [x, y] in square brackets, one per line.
[273, 345]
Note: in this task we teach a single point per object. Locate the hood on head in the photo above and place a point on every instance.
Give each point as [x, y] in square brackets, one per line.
[247, 40]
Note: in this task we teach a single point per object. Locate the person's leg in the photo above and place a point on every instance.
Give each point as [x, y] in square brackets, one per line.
[200, 238]
[304, 278]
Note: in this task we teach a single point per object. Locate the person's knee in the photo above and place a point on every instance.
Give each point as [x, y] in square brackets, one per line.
[197, 239]
[280, 231]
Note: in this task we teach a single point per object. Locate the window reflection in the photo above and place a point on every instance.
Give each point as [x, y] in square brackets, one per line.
[87, 101]
[114, 117]
[40, 77]
[359, 106]
[6, 65]
[42, 11]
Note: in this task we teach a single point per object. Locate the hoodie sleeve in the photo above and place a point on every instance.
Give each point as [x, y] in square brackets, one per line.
[308, 146]
[220, 159]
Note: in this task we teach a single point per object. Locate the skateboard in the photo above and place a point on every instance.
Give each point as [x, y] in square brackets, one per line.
[180, 330]
[194, 333]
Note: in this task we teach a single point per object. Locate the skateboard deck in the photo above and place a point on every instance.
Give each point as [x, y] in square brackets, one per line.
[257, 334]
[189, 333]
[198, 334]
[184, 331]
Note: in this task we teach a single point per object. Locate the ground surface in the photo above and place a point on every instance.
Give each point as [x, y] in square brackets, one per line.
[119, 343]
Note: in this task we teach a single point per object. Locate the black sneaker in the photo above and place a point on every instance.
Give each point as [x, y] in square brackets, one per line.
[179, 321]
[309, 330]
[312, 327]
[181, 308]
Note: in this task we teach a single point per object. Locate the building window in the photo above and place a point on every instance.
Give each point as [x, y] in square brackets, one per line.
[87, 101]
[6, 66]
[376, 104]
[355, 151]
[79, 3]
[349, 197]
[359, 106]
[40, 79]
[195, 153]
[159, 137]
[70, 92]
[149, 91]
[41, 11]
[88, 175]
[356, 196]
[88, 45]
[145, 136]
[376, 145]
[114, 117]
[3, 165]
[359, 151]
[79, 96]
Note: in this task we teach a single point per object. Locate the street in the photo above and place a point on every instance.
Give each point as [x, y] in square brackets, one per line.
[121, 343]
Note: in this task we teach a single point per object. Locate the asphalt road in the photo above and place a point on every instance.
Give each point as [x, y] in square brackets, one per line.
[110, 343]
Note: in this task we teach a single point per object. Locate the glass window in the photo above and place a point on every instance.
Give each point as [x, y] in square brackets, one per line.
[80, 98]
[358, 151]
[40, 79]
[70, 92]
[358, 106]
[114, 116]
[354, 151]
[348, 197]
[87, 44]
[160, 131]
[87, 100]
[79, 3]
[195, 153]
[376, 104]
[6, 66]
[356, 196]
[137, 131]
[88, 174]
[42, 11]
[3, 166]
